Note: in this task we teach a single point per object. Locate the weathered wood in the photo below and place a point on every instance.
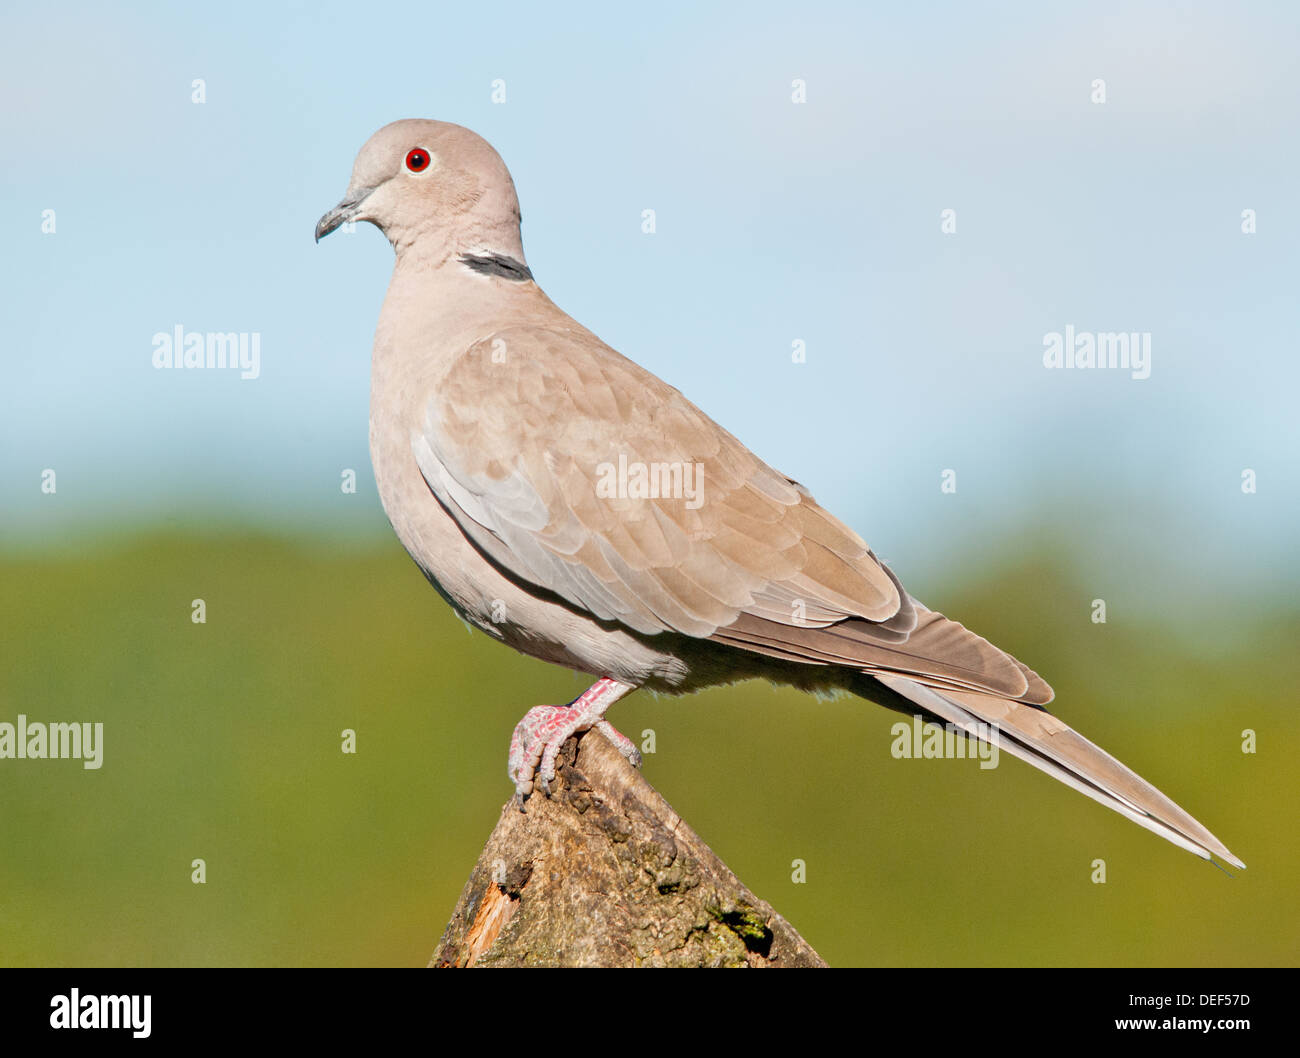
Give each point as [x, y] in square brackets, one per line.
[605, 873]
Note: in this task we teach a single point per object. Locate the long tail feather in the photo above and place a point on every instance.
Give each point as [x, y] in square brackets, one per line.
[1040, 739]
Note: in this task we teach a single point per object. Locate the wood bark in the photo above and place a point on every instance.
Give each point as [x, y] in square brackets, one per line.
[605, 873]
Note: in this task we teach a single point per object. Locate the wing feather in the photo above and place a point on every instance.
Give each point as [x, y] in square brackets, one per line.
[517, 450]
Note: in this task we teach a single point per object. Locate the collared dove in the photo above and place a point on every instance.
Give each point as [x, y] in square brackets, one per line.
[574, 506]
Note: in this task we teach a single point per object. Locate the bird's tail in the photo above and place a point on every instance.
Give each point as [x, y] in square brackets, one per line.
[1042, 740]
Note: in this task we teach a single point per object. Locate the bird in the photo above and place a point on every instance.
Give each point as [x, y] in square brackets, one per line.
[577, 508]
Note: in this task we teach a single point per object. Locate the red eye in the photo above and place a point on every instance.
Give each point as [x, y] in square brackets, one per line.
[417, 160]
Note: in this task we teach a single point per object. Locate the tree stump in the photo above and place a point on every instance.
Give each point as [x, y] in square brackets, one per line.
[605, 873]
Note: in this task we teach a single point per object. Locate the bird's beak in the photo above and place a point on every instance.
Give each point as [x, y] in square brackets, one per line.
[343, 212]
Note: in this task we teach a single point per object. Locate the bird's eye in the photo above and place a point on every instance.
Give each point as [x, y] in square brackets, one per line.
[417, 159]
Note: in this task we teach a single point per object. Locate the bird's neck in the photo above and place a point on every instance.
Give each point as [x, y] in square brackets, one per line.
[477, 233]
[443, 303]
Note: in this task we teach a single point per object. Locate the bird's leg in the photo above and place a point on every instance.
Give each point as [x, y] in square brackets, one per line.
[545, 728]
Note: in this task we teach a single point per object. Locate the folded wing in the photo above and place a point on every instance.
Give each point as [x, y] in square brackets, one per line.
[533, 441]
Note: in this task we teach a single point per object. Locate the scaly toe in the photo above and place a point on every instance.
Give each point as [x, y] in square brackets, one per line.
[534, 745]
[621, 742]
[537, 738]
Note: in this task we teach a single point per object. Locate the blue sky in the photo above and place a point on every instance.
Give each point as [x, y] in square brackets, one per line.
[775, 221]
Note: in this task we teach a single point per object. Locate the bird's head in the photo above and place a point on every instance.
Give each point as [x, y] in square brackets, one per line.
[432, 185]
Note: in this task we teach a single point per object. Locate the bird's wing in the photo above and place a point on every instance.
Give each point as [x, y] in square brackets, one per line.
[538, 441]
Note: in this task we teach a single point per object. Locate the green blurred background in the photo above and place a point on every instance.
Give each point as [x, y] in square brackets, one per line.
[222, 741]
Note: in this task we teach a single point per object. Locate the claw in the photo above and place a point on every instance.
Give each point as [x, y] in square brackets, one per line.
[621, 742]
[537, 738]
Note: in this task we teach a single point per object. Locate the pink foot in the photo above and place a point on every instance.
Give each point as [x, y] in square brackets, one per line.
[621, 742]
[545, 728]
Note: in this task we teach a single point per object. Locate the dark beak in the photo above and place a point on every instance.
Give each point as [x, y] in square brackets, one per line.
[342, 213]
